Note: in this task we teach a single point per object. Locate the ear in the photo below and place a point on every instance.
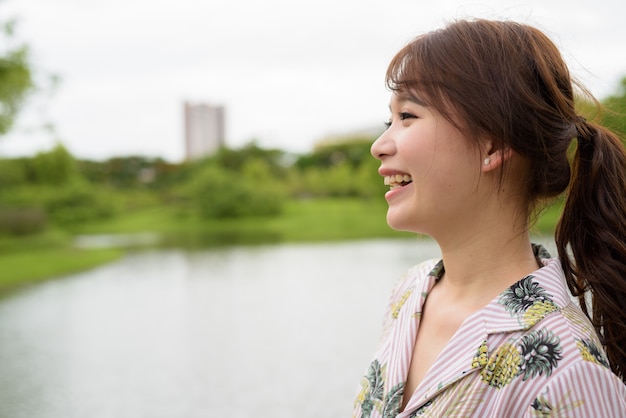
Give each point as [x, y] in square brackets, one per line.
[495, 158]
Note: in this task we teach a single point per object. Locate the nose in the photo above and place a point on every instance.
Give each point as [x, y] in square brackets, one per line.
[383, 146]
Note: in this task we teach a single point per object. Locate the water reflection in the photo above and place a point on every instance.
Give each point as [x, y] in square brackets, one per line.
[266, 331]
[187, 240]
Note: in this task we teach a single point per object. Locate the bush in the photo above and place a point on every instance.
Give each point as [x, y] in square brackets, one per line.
[340, 180]
[22, 221]
[71, 203]
[12, 172]
[79, 202]
[55, 167]
[217, 192]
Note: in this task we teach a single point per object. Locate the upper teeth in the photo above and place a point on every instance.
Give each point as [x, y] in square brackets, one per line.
[397, 179]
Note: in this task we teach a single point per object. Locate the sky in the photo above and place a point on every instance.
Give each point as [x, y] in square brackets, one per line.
[289, 73]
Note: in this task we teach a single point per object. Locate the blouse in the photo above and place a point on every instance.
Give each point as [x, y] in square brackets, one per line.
[530, 352]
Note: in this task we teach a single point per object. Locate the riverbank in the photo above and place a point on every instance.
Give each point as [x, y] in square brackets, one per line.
[55, 253]
[31, 259]
[19, 269]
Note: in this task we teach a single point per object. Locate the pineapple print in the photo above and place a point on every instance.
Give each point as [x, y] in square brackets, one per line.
[393, 401]
[541, 407]
[540, 353]
[591, 352]
[563, 407]
[395, 308]
[537, 311]
[578, 318]
[528, 299]
[502, 367]
[372, 394]
[372, 387]
[481, 357]
[535, 354]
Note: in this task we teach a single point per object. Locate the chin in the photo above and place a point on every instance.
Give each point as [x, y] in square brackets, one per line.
[407, 222]
[400, 223]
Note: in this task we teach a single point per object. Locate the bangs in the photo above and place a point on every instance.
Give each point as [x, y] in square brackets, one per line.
[417, 73]
[437, 69]
[406, 76]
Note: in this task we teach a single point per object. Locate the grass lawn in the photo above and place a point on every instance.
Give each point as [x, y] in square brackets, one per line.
[23, 267]
[52, 254]
[302, 220]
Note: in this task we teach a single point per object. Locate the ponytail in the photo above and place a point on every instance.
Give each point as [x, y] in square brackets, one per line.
[593, 225]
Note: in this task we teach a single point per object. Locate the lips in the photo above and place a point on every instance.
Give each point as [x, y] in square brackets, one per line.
[397, 180]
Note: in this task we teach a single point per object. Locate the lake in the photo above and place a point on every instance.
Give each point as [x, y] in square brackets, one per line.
[266, 331]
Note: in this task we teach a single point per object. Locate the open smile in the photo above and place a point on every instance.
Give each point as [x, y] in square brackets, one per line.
[398, 180]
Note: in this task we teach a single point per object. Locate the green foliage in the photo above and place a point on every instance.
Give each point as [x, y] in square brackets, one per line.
[352, 151]
[73, 202]
[22, 221]
[55, 167]
[235, 159]
[367, 181]
[49, 188]
[615, 116]
[129, 173]
[338, 170]
[234, 183]
[334, 181]
[219, 192]
[15, 78]
[79, 202]
[13, 172]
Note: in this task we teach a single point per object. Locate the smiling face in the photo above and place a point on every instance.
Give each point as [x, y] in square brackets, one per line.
[432, 169]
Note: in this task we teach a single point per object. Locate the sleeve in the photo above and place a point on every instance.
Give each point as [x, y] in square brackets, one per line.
[585, 390]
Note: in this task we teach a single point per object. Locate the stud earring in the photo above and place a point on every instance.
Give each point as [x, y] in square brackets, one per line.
[486, 161]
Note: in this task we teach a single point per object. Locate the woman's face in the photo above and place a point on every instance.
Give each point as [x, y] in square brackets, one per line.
[432, 170]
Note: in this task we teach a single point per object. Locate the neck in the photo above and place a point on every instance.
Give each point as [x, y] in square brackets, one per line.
[479, 265]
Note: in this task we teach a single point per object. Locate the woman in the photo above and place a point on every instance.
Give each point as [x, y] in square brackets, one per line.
[482, 118]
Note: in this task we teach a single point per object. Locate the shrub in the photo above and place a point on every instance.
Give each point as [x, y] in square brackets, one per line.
[217, 192]
[71, 203]
[79, 202]
[22, 221]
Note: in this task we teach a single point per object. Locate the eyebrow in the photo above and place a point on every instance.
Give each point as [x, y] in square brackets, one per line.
[413, 98]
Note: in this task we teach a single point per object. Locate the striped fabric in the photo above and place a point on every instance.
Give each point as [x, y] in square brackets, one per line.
[531, 352]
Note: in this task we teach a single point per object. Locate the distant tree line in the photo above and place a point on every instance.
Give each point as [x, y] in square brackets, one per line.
[54, 188]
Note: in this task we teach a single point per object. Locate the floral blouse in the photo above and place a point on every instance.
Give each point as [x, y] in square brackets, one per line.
[531, 352]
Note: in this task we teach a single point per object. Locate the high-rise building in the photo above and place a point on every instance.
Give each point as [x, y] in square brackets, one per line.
[204, 129]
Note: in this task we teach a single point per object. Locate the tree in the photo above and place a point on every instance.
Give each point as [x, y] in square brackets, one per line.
[15, 77]
[615, 117]
[216, 191]
[351, 150]
[56, 167]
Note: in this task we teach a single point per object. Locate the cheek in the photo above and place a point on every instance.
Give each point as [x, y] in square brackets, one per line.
[458, 173]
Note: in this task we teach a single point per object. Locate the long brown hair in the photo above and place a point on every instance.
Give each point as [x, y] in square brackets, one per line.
[508, 80]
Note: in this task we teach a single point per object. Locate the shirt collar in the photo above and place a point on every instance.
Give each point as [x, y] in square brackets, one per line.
[532, 298]
[524, 303]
